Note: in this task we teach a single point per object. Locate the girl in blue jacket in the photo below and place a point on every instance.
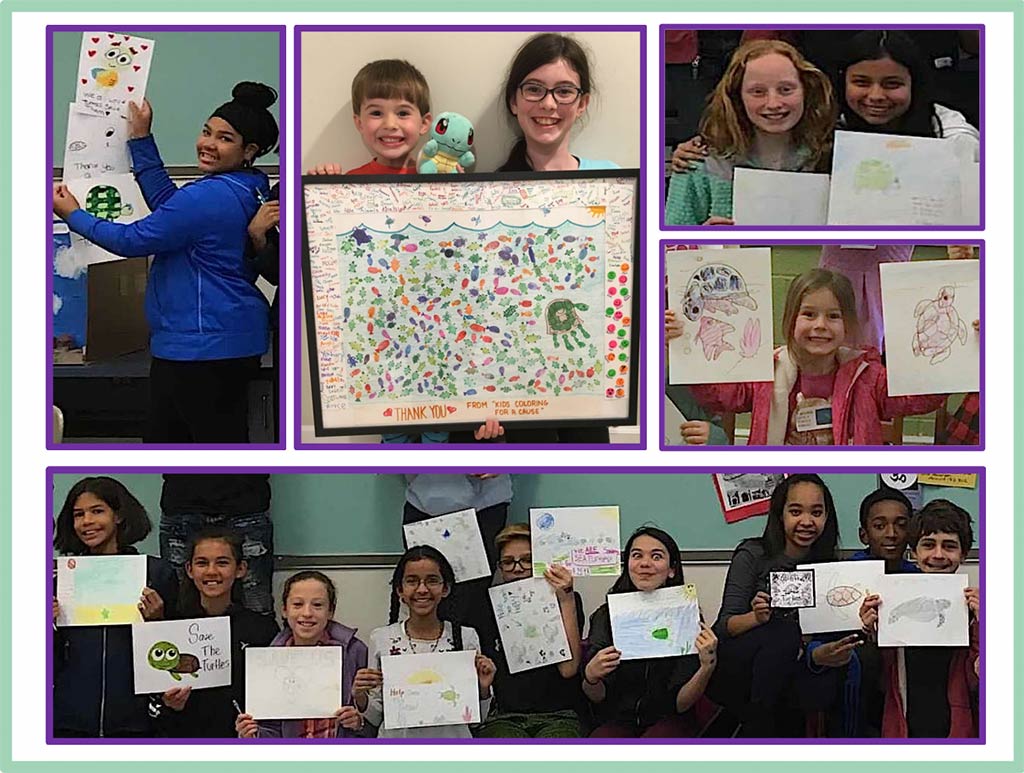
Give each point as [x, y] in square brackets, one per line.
[208, 320]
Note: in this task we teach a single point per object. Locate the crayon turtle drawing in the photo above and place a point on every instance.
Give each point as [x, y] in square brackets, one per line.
[938, 327]
[716, 287]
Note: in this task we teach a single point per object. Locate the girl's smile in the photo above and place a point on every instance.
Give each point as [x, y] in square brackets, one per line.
[213, 568]
[422, 587]
[548, 123]
[772, 93]
[307, 611]
[819, 330]
[95, 523]
[803, 517]
[878, 90]
[219, 147]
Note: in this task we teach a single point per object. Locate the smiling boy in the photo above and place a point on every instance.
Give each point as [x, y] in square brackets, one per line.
[391, 111]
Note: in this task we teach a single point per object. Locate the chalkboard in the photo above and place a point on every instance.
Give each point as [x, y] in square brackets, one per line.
[193, 73]
[341, 513]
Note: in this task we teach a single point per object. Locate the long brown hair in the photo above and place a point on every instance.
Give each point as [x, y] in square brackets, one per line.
[729, 132]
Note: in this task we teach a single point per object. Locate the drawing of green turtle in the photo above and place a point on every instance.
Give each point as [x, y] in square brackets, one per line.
[938, 327]
[451, 695]
[660, 633]
[873, 174]
[104, 201]
[921, 609]
[164, 656]
[564, 322]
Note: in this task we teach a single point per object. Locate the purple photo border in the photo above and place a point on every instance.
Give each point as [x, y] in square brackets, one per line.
[639, 262]
[283, 170]
[662, 184]
[663, 365]
[980, 519]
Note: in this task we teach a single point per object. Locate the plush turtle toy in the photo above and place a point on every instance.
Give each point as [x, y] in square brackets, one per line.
[449, 146]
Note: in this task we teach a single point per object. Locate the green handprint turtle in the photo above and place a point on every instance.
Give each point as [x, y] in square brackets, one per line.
[563, 319]
[104, 201]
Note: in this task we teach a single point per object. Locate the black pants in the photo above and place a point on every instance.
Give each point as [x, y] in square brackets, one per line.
[202, 401]
[469, 600]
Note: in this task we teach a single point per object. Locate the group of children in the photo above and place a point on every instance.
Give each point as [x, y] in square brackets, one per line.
[753, 673]
[773, 109]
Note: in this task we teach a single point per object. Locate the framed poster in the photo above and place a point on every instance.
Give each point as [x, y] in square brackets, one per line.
[745, 494]
[442, 300]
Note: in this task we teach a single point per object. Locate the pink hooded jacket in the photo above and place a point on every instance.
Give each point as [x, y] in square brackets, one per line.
[860, 400]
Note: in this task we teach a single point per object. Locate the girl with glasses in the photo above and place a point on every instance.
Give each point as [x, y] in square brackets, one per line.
[540, 702]
[422, 583]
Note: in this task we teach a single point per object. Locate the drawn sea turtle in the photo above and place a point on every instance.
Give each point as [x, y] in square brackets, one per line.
[716, 287]
[104, 201]
[843, 595]
[873, 174]
[564, 322]
[450, 694]
[164, 656]
[921, 609]
[938, 327]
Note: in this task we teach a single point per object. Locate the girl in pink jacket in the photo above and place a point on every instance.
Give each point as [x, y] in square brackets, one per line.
[824, 392]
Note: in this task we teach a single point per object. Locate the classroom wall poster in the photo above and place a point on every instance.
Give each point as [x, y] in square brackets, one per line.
[100, 590]
[113, 69]
[724, 302]
[951, 479]
[923, 610]
[530, 624]
[293, 682]
[439, 302]
[928, 309]
[457, 536]
[181, 653]
[745, 494]
[434, 688]
[583, 539]
[655, 624]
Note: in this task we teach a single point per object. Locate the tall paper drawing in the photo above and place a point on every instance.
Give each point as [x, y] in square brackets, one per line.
[181, 653]
[885, 179]
[923, 610]
[928, 308]
[100, 590]
[724, 301]
[292, 682]
[457, 536]
[436, 688]
[96, 145]
[530, 624]
[113, 69]
[584, 539]
[655, 624]
[839, 589]
[763, 197]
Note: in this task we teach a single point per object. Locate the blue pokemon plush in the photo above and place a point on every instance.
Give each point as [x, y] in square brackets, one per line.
[451, 138]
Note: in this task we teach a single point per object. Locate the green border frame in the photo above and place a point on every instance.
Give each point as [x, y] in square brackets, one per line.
[283, 7]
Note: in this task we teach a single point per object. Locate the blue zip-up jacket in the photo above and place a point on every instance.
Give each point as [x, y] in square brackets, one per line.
[202, 302]
[93, 681]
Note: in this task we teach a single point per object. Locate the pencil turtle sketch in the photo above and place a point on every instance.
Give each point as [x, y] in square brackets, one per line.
[921, 609]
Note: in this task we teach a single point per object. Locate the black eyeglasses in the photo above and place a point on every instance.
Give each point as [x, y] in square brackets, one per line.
[511, 563]
[564, 94]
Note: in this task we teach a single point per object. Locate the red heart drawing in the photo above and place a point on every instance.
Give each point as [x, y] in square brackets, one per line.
[387, 412]
[144, 47]
[451, 409]
[136, 67]
[127, 37]
[116, 43]
[131, 88]
[84, 80]
[95, 40]
[91, 53]
[110, 35]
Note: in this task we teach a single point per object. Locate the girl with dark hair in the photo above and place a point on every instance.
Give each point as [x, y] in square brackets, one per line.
[215, 567]
[309, 602]
[93, 688]
[650, 698]
[422, 582]
[761, 646]
[547, 90]
[208, 320]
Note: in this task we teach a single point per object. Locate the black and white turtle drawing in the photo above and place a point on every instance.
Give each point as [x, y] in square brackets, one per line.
[938, 327]
[104, 201]
[563, 320]
[716, 287]
[921, 609]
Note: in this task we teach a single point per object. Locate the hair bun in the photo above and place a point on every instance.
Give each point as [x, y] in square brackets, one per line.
[254, 94]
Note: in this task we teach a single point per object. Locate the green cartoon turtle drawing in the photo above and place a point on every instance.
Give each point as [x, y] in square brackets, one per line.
[564, 322]
[164, 656]
[104, 201]
[875, 175]
[451, 695]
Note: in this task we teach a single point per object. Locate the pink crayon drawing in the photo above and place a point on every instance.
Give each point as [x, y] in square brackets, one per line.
[750, 342]
[711, 334]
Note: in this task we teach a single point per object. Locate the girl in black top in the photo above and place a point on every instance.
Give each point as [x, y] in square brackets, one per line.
[650, 698]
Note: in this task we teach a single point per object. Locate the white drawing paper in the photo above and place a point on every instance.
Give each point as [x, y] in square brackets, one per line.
[583, 539]
[457, 536]
[724, 302]
[791, 590]
[100, 590]
[113, 69]
[96, 145]
[923, 610]
[113, 197]
[181, 653]
[765, 197]
[839, 589]
[655, 624]
[673, 419]
[292, 682]
[885, 179]
[530, 624]
[928, 310]
[431, 689]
